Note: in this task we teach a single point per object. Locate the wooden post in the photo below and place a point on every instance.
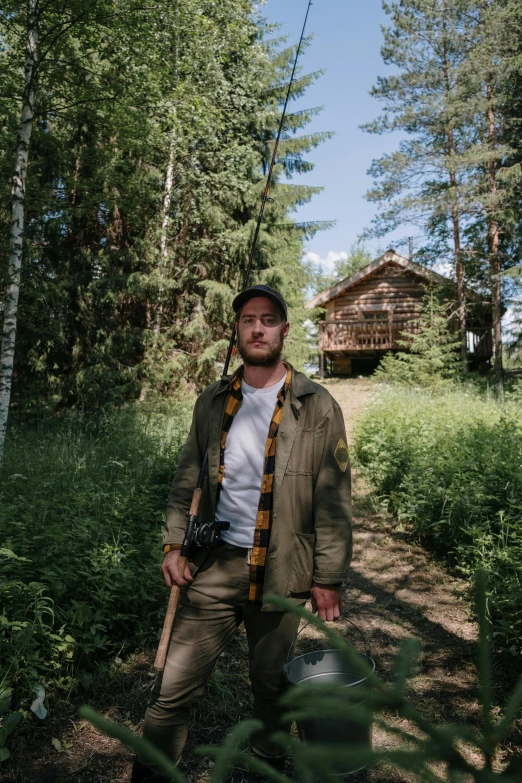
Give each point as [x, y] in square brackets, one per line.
[321, 366]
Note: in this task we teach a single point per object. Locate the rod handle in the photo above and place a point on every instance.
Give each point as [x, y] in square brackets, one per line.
[196, 500]
[161, 655]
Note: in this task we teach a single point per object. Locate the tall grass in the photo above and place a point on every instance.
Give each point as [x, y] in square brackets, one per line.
[450, 465]
[82, 502]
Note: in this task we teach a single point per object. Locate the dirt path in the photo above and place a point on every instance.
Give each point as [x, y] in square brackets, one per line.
[395, 592]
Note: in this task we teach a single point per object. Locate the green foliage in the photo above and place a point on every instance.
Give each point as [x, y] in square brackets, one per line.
[147, 164]
[419, 746]
[82, 503]
[32, 650]
[357, 257]
[431, 358]
[7, 725]
[449, 467]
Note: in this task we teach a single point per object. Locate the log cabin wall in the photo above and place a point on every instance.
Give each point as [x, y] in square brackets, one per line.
[391, 289]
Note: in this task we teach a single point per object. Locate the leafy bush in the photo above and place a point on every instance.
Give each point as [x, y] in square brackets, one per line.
[28, 643]
[81, 507]
[450, 466]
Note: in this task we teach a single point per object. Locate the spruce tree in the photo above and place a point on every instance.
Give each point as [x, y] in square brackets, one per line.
[429, 355]
[357, 257]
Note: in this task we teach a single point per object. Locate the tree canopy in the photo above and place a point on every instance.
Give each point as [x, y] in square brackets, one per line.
[456, 173]
[151, 138]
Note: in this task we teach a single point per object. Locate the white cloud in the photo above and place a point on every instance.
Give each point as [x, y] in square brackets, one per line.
[328, 263]
[444, 268]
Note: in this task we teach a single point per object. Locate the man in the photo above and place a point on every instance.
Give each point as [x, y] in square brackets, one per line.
[279, 474]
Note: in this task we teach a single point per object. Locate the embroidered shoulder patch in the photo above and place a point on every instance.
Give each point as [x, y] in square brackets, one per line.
[341, 455]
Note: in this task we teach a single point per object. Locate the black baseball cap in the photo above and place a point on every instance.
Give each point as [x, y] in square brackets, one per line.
[260, 290]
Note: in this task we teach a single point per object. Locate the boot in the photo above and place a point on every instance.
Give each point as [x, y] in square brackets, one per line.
[141, 773]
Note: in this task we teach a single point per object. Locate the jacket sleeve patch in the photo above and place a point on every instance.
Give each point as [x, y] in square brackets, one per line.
[341, 455]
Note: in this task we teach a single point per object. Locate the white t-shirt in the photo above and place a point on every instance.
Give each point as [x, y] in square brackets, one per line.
[245, 464]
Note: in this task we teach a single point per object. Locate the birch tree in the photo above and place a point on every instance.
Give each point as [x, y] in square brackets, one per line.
[47, 21]
[16, 234]
[164, 235]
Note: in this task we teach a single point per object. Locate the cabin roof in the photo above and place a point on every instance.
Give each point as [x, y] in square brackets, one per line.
[390, 257]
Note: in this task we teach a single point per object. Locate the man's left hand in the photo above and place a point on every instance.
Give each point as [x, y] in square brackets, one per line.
[327, 601]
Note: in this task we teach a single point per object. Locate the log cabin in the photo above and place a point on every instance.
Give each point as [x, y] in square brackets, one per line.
[365, 314]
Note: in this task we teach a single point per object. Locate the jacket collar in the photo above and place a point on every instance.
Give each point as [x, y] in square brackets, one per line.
[300, 386]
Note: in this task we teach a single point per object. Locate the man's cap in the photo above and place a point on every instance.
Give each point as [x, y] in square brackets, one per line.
[260, 290]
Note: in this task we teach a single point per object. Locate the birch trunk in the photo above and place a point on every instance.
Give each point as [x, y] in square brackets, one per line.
[494, 253]
[165, 211]
[7, 348]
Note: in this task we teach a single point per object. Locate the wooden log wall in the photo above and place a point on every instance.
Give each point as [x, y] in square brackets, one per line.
[391, 288]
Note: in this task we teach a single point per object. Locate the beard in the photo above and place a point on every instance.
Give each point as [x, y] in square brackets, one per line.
[268, 357]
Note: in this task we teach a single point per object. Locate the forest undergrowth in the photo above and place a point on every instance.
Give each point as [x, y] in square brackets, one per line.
[448, 467]
[82, 501]
[394, 593]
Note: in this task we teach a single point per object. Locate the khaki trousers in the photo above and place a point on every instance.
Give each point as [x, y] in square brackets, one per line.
[209, 613]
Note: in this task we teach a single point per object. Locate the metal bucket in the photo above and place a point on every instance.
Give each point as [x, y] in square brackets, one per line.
[328, 666]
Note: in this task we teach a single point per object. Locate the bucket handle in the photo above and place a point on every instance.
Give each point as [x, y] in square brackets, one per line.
[363, 637]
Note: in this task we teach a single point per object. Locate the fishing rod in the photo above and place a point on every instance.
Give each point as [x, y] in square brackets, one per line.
[209, 533]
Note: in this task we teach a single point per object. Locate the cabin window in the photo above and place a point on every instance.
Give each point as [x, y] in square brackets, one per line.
[376, 315]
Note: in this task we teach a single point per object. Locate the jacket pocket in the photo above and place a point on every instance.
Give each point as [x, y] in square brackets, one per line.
[300, 462]
[302, 563]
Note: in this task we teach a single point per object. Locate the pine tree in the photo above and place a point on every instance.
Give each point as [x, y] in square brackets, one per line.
[424, 182]
[455, 175]
[494, 170]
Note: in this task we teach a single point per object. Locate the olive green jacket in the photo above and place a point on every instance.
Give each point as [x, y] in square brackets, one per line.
[311, 535]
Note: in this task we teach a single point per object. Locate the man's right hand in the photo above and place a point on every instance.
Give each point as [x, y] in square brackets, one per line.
[171, 572]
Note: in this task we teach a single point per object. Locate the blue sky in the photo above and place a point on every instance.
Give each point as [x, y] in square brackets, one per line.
[347, 41]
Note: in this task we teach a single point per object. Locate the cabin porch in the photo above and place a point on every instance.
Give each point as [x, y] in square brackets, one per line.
[342, 341]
